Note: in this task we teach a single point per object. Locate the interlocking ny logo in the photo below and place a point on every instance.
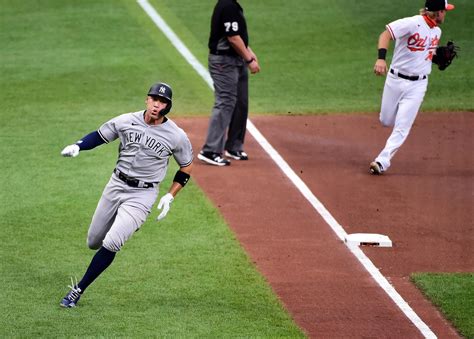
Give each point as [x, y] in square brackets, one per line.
[162, 89]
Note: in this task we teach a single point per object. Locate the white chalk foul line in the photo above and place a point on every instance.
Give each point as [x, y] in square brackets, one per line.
[294, 178]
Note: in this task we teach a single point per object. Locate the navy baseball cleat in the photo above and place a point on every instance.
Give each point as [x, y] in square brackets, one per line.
[237, 155]
[72, 297]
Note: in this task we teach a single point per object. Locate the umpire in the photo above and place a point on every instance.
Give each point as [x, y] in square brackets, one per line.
[229, 57]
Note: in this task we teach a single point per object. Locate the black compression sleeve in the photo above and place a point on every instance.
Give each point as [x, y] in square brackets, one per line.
[90, 141]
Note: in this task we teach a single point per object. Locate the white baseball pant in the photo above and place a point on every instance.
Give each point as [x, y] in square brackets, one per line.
[401, 101]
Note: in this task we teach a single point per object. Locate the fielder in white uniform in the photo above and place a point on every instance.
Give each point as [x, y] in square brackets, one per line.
[416, 39]
[147, 140]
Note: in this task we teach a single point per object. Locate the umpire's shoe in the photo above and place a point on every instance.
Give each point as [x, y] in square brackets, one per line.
[376, 168]
[72, 297]
[237, 155]
[213, 159]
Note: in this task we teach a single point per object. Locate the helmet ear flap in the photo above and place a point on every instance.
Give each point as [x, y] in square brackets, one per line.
[166, 110]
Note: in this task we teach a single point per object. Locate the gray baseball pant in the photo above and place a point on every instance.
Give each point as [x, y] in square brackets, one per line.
[230, 111]
[120, 212]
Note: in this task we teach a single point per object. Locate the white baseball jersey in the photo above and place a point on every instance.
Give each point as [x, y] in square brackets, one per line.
[145, 149]
[416, 39]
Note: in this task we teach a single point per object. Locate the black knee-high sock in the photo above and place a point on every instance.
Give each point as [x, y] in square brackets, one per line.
[101, 260]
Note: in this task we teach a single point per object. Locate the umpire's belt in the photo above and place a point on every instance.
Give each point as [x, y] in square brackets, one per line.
[230, 52]
[408, 77]
[132, 181]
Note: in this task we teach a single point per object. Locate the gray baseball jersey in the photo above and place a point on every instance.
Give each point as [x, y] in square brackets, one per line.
[144, 154]
[145, 149]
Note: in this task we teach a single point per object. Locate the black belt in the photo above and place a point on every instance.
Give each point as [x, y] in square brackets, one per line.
[408, 77]
[132, 181]
[230, 52]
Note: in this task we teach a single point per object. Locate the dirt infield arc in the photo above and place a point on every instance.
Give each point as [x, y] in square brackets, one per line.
[424, 204]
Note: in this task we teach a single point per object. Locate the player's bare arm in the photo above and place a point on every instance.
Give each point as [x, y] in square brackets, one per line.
[380, 67]
[179, 183]
[252, 53]
[249, 56]
[229, 55]
[417, 39]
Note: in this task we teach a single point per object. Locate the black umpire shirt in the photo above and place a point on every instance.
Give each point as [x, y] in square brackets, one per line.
[227, 20]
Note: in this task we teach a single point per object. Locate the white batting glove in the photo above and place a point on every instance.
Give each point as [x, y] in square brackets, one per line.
[70, 151]
[165, 203]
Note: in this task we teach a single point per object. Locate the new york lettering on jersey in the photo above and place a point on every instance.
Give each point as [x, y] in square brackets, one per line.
[147, 141]
[144, 150]
[133, 137]
[132, 131]
[139, 138]
[156, 146]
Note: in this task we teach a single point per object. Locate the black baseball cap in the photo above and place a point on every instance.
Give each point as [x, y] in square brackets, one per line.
[438, 5]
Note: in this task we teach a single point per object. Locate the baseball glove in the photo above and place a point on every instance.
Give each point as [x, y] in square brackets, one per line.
[445, 55]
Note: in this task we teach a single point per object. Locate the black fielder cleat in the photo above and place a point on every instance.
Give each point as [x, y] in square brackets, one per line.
[237, 155]
[375, 168]
[72, 297]
[213, 159]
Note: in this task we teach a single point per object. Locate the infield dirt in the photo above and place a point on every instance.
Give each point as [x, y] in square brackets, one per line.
[424, 203]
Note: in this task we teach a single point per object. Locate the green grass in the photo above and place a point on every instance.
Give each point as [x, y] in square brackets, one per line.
[67, 67]
[317, 56]
[185, 276]
[453, 294]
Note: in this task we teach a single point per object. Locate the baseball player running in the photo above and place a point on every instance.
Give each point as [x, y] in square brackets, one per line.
[416, 41]
[147, 141]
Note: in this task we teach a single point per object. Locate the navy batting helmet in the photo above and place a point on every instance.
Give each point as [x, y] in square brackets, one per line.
[162, 90]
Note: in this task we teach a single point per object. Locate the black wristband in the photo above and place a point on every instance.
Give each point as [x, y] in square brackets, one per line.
[382, 53]
[181, 178]
[250, 61]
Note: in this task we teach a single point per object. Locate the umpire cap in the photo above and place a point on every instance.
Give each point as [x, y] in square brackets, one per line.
[162, 90]
[438, 5]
